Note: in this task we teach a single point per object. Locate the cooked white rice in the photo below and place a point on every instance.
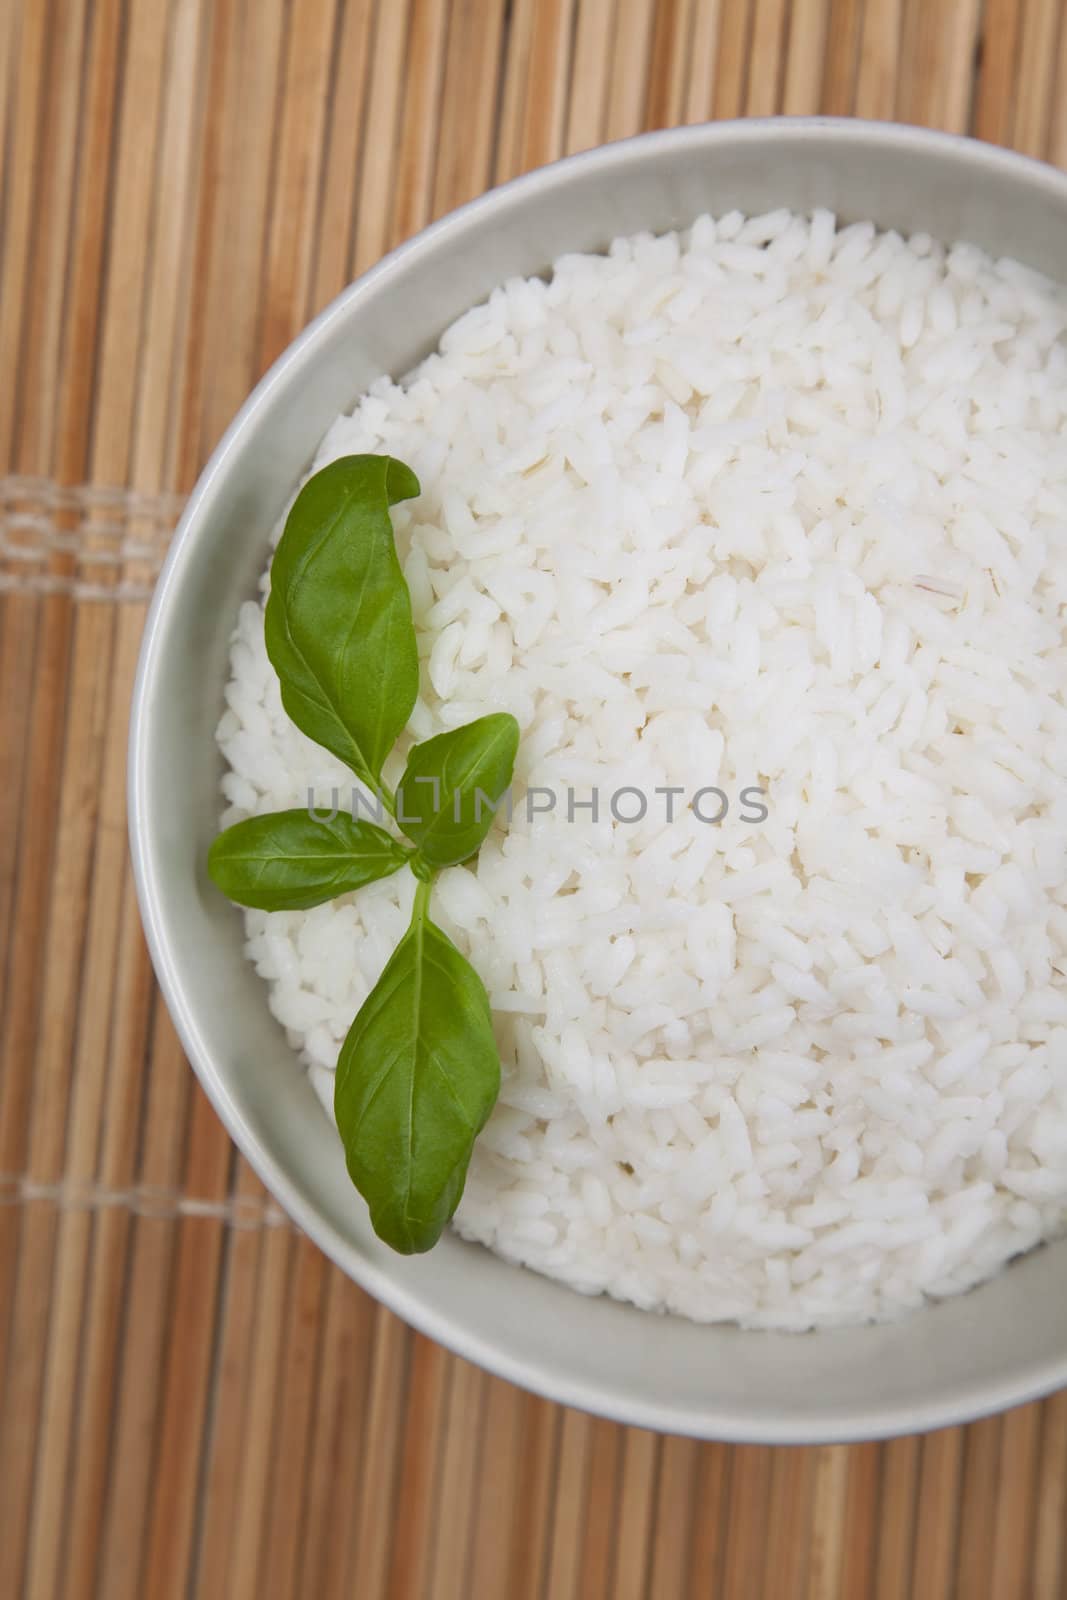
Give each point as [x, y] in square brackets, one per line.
[766, 503]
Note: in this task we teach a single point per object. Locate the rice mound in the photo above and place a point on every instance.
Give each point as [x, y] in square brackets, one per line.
[770, 503]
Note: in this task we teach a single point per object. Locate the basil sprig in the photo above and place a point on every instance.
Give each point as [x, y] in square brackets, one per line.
[418, 1072]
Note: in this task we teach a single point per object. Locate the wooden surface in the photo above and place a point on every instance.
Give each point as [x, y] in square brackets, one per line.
[192, 1402]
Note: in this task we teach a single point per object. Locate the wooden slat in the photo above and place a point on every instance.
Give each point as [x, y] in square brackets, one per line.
[997, 79]
[192, 1401]
[342, 149]
[468, 103]
[936, 1528]
[637, 1502]
[539, 1425]
[673, 1514]
[1057, 142]
[456, 1509]
[265, 1358]
[732, 57]
[10, 20]
[789, 1512]
[708, 1537]
[1037, 63]
[44, 298]
[283, 1531]
[377, 176]
[19, 617]
[669, 63]
[546, 72]
[503, 1447]
[628, 81]
[704, 62]
[977, 1511]
[1013, 1531]
[936, 83]
[243, 76]
[804, 58]
[185, 1378]
[838, 94]
[766, 57]
[232, 1424]
[860, 1513]
[338, 1458]
[879, 57]
[601, 1511]
[1050, 1514]
[830, 1504]
[745, 1559]
[382, 1442]
[108, 1519]
[410, 1521]
[207, 395]
[569, 1511]
[296, 188]
[26, 39]
[416, 154]
[592, 63]
[896, 1534]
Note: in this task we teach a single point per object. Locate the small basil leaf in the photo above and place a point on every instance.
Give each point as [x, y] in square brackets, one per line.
[416, 1080]
[452, 782]
[290, 860]
[338, 619]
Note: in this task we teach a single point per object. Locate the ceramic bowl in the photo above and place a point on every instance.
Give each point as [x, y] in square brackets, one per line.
[1002, 1343]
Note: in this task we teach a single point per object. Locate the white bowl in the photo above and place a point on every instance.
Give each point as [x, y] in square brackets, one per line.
[1002, 1343]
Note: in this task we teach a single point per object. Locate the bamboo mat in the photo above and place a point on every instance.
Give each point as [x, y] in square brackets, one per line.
[193, 1401]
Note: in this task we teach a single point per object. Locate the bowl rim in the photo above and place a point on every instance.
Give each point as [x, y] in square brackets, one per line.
[963, 1403]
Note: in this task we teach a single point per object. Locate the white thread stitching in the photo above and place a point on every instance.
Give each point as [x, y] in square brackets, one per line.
[145, 1200]
[163, 506]
[52, 583]
[29, 536]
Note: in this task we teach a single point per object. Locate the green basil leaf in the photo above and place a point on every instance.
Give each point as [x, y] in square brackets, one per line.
[416, 1080]
[446, 797]
[290, 860]
[338, 620]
